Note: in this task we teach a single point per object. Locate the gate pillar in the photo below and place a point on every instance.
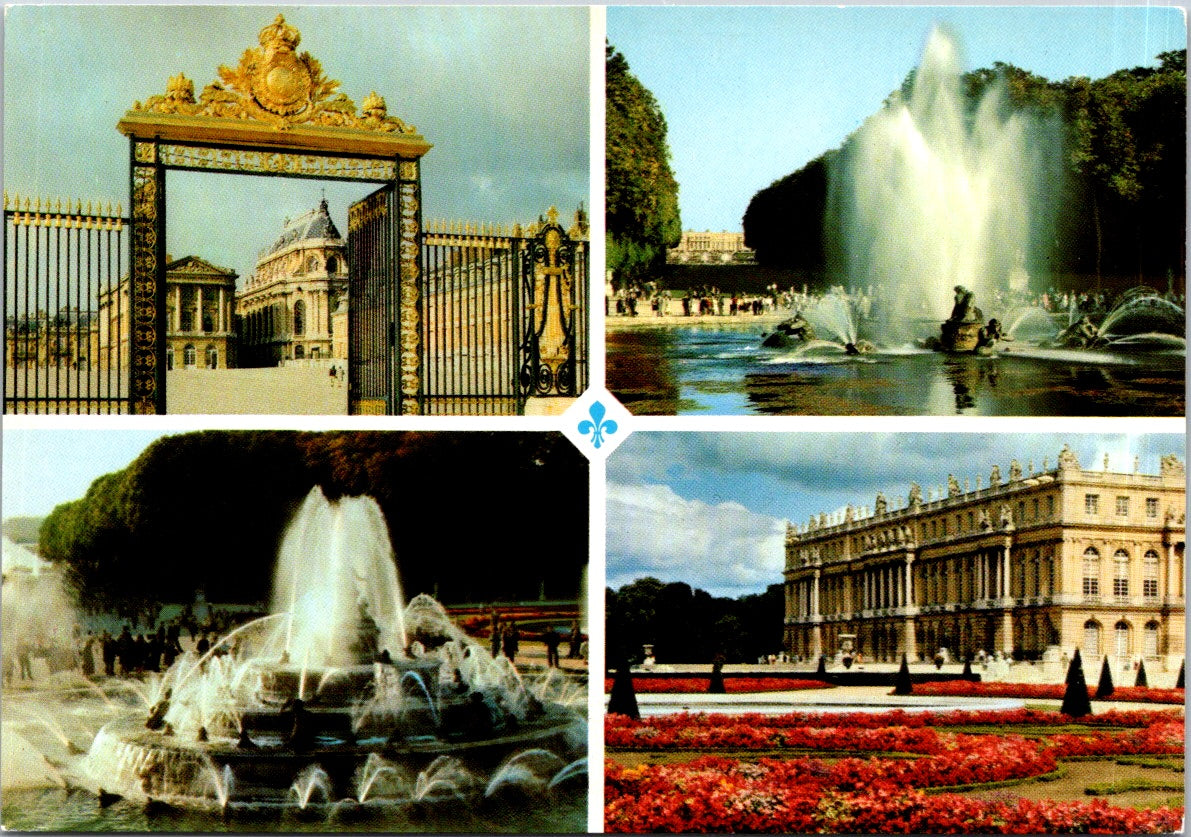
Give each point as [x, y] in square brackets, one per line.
[146, 334]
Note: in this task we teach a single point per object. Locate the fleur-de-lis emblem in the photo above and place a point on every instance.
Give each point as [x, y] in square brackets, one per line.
[597, 427]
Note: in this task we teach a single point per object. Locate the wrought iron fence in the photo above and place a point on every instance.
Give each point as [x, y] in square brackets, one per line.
[504, 315]
[66, 312]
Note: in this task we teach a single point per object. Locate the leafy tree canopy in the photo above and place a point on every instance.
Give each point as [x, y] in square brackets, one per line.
[641, 203]
[472, 516]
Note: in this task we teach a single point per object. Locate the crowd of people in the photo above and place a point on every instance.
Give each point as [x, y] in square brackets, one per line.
[128, 652]
[646, 299]
[505, 640]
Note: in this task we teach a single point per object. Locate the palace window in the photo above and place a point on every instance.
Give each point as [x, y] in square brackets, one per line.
[1120, 574]
[1091, 638]
[1034, 507]
[332, 264]
[1121, 632]
[1151, 507]
[1149, 640]
[299, 317]
[1091, 503]
[1050, 505]
[1122, 506]
[169, 359]
[299, 352]
[1091, 573]
[189, 356]
[1149, 575]
[212, 357]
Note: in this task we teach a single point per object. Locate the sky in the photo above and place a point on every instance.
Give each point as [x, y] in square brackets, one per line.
[751, 94]
[710, 509]
[44, 467]
[501, 93]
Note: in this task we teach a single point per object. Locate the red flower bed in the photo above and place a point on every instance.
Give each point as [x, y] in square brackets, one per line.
[720, 795]
[874, 795]
[683, 723]
[732, 685]
[1054, 691]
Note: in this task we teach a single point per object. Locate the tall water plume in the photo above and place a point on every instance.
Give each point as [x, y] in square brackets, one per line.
[935, 190]
[336, 574]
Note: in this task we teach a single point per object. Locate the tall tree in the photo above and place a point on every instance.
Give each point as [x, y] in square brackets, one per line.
[641, 203]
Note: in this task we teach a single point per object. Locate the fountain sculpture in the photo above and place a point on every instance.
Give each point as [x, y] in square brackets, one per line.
[342, 696]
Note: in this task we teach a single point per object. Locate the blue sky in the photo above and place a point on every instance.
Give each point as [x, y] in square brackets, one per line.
[501, 93]
[751, 94]
[710, 508]
[44, 467]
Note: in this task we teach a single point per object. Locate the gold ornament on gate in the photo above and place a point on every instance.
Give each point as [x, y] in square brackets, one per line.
[274, 83]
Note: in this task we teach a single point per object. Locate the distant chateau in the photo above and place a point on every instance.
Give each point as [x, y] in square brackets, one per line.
[294, 305]
[709, 248]
[1059, 559]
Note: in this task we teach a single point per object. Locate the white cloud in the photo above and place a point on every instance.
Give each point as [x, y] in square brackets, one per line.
[725, 549]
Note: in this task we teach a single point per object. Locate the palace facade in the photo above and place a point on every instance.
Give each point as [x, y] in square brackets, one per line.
[709, 248]
[1064, 558]
[295, 300]
[200, 331]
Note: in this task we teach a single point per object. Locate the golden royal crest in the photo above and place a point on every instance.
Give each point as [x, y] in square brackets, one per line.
[274, 83]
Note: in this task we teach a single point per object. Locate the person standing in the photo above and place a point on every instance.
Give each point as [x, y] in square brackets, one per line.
[551, 639]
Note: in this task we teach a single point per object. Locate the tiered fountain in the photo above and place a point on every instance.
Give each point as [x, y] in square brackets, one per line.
[342, 696]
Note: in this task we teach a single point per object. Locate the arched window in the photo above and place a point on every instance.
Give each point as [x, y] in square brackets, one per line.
[332, 264]
[189, 356]
[1149, 575]
[1121, 631]
[312, 264]
[1091, 572]
[1091, 638]
[299, 352]
[212, 357]
[299, 317]
[1120, 574]
[1150, 640]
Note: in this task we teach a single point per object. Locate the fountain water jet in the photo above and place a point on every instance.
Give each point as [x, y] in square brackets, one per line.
[936, 190]
[366, 701]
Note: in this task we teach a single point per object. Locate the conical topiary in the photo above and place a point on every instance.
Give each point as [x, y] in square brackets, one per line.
[1076, 703]
[623, 700]
[902, 685]
[1105, 687]
[1141, 675]
[821, 671]
[1181, 682]
[967, 675]
[716, 686]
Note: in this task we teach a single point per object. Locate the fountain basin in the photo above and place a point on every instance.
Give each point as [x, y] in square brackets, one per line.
[137, 763]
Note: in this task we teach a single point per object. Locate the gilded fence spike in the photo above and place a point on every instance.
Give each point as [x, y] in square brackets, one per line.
[37, 208]
[58, 206]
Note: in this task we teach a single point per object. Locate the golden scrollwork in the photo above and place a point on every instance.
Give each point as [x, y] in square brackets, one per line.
[276, 162]
[275, 84]
[144, 288]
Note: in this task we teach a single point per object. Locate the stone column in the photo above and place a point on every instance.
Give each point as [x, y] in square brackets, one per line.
[177, 324]
[222, 326]
[815, 595]
[1005, 586]
[909, 597]
[980, 576]
[198, 313]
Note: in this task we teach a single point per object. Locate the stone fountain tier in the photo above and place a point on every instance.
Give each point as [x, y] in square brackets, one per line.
[334, 686]
[137, 763]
